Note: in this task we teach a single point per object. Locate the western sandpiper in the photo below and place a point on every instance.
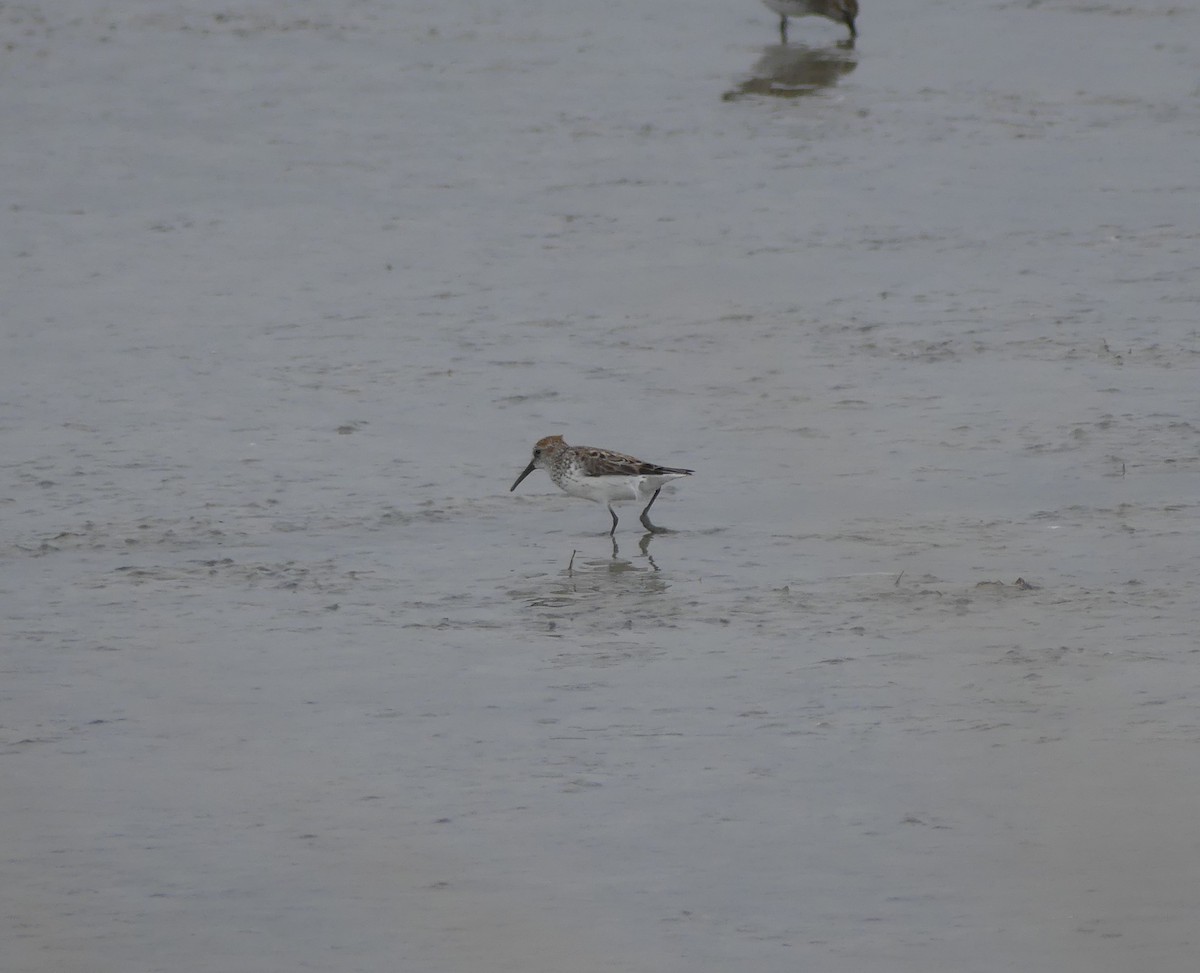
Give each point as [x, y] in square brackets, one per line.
[601, 475]
[843, 11]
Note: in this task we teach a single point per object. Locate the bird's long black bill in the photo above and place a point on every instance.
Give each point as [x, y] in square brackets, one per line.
[529, 469]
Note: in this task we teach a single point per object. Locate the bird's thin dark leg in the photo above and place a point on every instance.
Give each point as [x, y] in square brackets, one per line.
[782, 28]
[614, 517]
[646, 520]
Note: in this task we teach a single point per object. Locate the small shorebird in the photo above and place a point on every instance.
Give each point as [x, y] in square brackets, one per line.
[601, 475]
[843, 11]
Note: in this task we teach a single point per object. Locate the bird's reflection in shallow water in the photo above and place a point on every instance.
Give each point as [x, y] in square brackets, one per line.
[591, 590]
[794, 71]
[617, 564]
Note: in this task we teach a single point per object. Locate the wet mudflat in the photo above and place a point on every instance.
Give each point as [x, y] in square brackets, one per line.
[290, 680]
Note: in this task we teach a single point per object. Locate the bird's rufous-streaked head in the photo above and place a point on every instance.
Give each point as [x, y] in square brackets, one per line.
[544, 453]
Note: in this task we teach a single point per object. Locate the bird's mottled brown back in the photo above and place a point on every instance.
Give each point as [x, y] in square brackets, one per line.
[608, 462]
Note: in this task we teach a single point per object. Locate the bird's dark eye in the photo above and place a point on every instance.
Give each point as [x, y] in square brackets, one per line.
[537, 452]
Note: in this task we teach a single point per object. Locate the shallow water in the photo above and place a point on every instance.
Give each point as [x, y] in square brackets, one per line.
[291, 680]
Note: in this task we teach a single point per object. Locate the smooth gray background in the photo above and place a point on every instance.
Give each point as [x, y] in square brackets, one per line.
[290, 681]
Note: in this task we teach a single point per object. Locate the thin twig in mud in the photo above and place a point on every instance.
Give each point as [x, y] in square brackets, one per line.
[571, 563]
[896, 583]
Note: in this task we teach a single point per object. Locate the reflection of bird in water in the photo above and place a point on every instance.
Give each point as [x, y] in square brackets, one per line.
[789, 72]
[842, 11]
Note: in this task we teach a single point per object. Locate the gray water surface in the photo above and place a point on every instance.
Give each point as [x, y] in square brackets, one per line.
[290, 681]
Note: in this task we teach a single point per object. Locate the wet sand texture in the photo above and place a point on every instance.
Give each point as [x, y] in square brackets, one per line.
[289, 680]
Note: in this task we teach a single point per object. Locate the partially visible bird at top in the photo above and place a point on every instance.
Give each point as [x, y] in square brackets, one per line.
[841, 11]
